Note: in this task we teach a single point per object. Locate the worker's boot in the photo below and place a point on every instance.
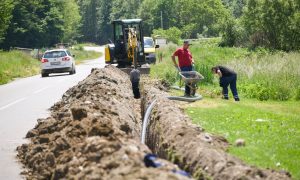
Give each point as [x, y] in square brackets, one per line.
[225, 97]
[237, 99]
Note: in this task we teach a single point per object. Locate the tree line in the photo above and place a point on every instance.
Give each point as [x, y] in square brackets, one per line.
[272, 24]
[38, 23]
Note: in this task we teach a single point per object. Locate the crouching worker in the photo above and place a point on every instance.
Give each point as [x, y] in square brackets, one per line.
[227, 77]
[135, 81]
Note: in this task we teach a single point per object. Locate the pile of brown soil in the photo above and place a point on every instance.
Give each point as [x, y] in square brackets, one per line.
[172, 136]
[93, 133]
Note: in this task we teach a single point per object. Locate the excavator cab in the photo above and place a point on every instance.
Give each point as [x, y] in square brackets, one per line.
[127, 48]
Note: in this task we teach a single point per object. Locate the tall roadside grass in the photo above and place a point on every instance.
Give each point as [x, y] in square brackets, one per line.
[15, 64]
[81, 55]
[165, 70]
[261, 74]
[272, 76]
[206, 54]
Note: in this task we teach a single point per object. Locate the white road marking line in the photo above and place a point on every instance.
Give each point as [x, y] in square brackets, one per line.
[12, 103]
[40, 90]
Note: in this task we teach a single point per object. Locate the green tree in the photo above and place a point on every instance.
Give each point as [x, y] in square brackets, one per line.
[172, 34]
[124, 9]
[204, 14]
[104, 22]
[191, 16]
[146, 12]
[89, 29]
[72, 19]
[293, 38]
[272, 23]
[5, 16]
[34, 23]
[238, 6]
[96, 23]
[235, 6]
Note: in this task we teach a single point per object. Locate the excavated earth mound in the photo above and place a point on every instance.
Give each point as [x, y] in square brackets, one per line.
[93, 133]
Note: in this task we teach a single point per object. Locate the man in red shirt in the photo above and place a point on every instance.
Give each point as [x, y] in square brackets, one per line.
[185, 61]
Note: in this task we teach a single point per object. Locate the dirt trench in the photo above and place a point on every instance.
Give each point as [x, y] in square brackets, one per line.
[94, 133]
[172, 136]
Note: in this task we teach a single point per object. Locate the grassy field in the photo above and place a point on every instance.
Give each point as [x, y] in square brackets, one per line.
[205, 53]
[262, 74]
[15, 64]
[81, 55]
[268, 116]
[270, 129]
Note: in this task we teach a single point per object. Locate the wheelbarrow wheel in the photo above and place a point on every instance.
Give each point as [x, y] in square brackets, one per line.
[193, 92]
[193, 88]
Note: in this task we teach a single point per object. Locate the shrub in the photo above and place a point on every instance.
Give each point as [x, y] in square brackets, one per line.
[171, 77]
[205, 70]
[282, 93]
[297, 96]
[248, 90]
[79, 48]
[266, 23]
[172, 34]
[263, 93]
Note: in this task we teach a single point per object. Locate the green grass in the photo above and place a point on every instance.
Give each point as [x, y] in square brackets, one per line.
[81, 55]
[273, 141]
[271, 76]
[205, 53]
[262, 74]
[16, 64]
[87, 44]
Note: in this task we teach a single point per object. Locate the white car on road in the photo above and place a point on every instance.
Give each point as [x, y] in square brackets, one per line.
[57, 61]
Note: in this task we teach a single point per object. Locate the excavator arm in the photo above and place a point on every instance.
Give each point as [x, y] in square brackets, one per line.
[132, 46]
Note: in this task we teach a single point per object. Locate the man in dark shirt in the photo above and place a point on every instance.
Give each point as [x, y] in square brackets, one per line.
[227, 77]
[185, 61]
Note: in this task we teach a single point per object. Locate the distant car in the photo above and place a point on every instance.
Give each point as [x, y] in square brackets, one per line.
[57, 61]
[150, 50]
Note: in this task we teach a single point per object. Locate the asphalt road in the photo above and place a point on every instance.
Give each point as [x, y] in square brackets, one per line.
[23, 101]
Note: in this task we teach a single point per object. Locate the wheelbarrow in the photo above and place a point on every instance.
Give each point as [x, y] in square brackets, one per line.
[191, 78]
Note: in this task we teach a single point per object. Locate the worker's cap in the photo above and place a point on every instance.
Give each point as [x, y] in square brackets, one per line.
[187, 42]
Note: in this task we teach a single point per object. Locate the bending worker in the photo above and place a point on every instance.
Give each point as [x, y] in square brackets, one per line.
[185, 61]
[227, 77]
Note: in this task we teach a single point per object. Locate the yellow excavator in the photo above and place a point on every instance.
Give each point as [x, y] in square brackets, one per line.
[127, 48]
